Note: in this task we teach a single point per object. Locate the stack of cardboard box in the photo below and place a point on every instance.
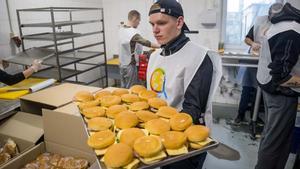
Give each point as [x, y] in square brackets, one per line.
[61, 124]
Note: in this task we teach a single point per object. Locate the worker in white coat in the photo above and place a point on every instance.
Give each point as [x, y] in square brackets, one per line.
[130, 47]
[184, 74]
[279, 78]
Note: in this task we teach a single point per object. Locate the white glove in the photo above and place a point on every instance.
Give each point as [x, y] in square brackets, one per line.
[255, 46]
[36, 65]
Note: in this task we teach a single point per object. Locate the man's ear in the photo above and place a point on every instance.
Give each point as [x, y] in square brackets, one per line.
[180, 22]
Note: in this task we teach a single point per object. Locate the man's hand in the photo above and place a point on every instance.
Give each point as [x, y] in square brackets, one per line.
[255, 46]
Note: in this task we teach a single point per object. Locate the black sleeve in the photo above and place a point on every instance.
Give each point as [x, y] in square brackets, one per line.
[11, 79]
[285, 52]
[196, 95]
[250, 34]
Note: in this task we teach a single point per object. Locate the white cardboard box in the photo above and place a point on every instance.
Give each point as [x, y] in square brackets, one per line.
[64, 134]
[52, 98]
[25, 129]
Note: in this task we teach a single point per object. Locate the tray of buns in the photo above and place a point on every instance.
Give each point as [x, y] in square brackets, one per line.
[133, 128]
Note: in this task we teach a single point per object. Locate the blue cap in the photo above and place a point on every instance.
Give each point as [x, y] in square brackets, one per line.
[168, 7]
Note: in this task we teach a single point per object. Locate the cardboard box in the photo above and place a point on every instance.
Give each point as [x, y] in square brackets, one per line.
[25, 129]
[52, 98]
[65, 134]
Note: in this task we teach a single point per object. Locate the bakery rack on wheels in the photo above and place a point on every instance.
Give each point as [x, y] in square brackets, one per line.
[71, 51]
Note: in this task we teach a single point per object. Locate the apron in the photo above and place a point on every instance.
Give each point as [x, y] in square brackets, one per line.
[263, 72]
[125, 35]
[170, 76]
[247, 76]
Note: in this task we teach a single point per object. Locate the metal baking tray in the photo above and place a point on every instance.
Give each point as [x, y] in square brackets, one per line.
[168, 160]
[26, 58]
[173, 159]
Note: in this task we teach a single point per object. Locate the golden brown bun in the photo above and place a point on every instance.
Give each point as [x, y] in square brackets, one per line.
[197, 133]
[147, 94]
[88, 104]
[136, 106]
[101, 94]
[118, 155]
[112, 111]
[166, 112]
[195, 145]
[101, 139]
[181, 121]
[136, 89]
[83, 96]
[157, 126]
[108, 101]
[126, 119]
[145, 115]
[120, 92]
[147, 146]
[157, 103]
[99, 124]
[130, 98]
[128, 136]
[92, 112]
[173, 139]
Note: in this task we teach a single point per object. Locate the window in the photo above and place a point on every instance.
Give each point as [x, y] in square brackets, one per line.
[239, 17]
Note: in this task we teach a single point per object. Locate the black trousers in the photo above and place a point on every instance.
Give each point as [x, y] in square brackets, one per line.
[195, 162]
[275, 144]
[247, 97]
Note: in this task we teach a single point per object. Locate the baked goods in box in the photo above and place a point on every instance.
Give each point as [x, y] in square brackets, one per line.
[56, 161]
[8, 151]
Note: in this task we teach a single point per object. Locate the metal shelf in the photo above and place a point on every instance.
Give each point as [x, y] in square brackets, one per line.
[59, 35]
[70, 58]
[49, 36]
[53, 73]
[57, 9]
[60, 23]
[73, 52]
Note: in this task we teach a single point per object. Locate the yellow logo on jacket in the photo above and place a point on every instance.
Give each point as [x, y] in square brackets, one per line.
[158, 80]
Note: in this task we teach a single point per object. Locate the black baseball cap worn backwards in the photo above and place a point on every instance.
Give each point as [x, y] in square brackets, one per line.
[168, 7]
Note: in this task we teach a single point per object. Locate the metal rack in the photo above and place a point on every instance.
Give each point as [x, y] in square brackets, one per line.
[64, 64]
